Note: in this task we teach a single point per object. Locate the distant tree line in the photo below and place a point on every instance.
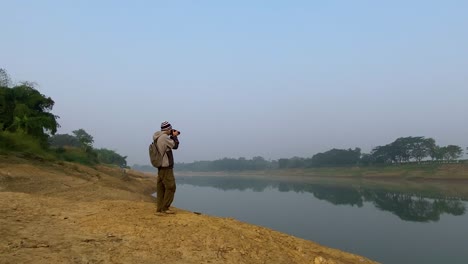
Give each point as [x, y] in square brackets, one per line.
[413, 149]
[331, 158]
[402, 150]
[27, 126]
[228, 164]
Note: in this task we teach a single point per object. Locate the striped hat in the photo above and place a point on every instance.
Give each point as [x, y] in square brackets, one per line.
[165, 126]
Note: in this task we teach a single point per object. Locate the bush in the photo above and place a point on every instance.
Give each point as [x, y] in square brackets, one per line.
[78, 155]
[19, 142]
[25, 145]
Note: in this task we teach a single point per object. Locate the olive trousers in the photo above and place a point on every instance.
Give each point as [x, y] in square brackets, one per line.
[165, 189]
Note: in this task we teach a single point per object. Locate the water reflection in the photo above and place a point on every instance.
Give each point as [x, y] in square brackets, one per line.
[407, 206]
[414, 208]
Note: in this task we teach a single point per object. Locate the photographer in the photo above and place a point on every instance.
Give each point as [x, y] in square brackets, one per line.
[166, 140]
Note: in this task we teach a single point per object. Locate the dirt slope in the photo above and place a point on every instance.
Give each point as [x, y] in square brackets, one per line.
[67, 213]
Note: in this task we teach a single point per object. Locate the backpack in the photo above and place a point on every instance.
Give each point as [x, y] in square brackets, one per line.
[155, 157]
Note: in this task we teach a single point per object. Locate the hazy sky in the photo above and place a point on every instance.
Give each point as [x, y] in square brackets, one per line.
[245, 78]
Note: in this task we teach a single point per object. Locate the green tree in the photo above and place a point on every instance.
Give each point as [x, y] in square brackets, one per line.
[366, 159]
[420, 147]
[336, 157]
[433, 149]
[283, 163]
[453, 152]
[438, 153]
[108, 156]
[259, 163]
[23, 109]
[64, 140]
[402, 148]
[5, 80]
[85, 139]
[405, 149]
[384, 154]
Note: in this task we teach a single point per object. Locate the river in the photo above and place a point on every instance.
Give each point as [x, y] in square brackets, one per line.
[389, 225]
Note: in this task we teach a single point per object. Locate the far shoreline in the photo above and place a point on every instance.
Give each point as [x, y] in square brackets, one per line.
[447, 180]
[414, 172]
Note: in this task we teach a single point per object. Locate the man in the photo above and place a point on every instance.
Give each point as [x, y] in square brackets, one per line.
[166, 140]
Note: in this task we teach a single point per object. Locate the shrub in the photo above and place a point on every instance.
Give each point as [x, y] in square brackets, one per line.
[78, 155]
[20, 142]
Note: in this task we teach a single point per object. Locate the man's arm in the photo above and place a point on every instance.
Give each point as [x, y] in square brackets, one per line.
[176, 142]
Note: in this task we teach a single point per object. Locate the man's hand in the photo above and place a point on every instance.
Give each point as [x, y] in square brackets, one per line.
[176, 140]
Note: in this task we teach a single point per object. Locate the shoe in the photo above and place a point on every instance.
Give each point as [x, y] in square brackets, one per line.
[169, 212]
[160, 213]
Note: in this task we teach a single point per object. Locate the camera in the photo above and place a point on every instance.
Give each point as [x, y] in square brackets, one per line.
[177, 132]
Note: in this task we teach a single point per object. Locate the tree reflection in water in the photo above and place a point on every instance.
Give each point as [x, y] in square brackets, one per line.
[407, 206]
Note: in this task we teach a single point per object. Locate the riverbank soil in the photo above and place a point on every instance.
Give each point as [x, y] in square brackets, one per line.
[69, 213]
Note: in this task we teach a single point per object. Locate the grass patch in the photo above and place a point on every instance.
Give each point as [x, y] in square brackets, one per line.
[26, 146]
[77, 155]
[23, 144]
